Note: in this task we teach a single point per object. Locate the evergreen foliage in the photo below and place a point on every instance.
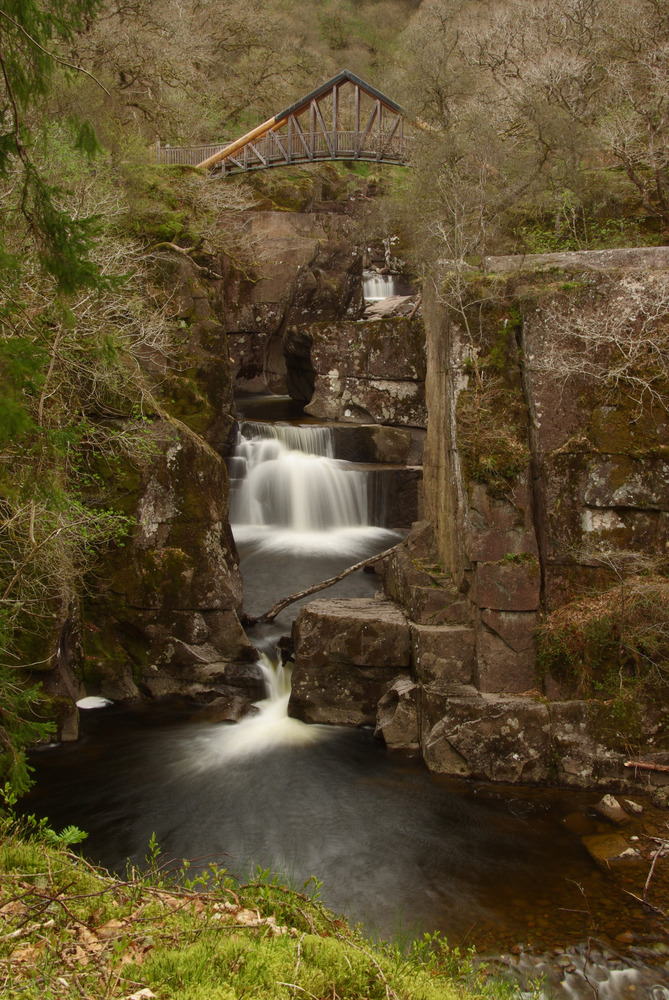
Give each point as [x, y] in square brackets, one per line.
[53, 371]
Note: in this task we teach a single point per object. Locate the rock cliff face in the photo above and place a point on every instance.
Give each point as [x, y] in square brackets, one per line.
[544, 481]
[294, 326]
[162, 617]
[543, 484]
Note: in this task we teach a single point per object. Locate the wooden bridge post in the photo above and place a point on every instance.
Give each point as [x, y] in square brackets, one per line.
[334, 120]
[356, 125]
[312, 128]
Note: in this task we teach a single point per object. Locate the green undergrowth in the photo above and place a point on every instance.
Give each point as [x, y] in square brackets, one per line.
[612, 644]
[492, 416]
[71, 929]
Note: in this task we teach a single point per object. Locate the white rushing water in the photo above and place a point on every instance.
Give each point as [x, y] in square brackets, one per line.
[261, 732]
[288, 493]
[299, 516]
[378, 286]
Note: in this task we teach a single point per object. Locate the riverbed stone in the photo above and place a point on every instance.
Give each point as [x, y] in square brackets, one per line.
[609, 807]
[604, 846]
[226, 708]
[397, 715]
[490, 739]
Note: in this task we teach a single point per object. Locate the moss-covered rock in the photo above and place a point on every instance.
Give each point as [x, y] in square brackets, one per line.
[174, 585]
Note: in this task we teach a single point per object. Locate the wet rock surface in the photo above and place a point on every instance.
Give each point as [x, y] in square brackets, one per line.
[163, 616]
[397, 718]
[347, 653]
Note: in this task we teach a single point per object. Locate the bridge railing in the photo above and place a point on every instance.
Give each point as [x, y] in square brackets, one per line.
[275, 148]
[190, 155]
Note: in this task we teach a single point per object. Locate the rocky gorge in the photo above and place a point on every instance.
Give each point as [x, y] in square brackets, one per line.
[541, 484]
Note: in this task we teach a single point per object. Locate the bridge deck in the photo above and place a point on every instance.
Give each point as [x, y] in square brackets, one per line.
[274, 150]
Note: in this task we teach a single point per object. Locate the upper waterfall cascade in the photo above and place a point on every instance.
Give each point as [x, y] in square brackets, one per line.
[287, 489]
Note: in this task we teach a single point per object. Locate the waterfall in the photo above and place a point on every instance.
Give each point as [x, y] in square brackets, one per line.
[288, 492]
[379, 286]
[268, 728]
[299, 516]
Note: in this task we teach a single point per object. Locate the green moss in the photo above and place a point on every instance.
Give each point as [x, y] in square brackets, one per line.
[103, 654]
[521, 559]
[183, 398]
[259, 939]
[165, 572]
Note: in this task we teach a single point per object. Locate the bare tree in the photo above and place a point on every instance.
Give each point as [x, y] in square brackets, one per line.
[619, 341]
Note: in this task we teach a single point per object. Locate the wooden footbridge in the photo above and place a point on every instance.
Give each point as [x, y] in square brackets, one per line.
[344, 119]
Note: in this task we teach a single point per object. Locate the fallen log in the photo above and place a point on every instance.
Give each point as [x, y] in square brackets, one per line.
[249, 621]
[646, 765]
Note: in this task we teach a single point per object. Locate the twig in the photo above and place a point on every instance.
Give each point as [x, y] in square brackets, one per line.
[308, 918]
[58, 59]
[187, 254]
[416, 305]
[644, 902]
[586, 959]
[280, 605]
[658, 854]
[299, 953]
[294, 986]
[27, 929]
[646, 765]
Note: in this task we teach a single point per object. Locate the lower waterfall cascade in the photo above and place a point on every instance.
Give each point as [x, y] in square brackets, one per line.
[396, 848]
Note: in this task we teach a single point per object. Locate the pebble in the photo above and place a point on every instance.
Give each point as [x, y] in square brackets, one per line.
[625, 938]
[610, 809]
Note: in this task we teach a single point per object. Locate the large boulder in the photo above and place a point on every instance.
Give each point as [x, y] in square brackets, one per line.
[370, 371]
[347, 653]
[490, 738]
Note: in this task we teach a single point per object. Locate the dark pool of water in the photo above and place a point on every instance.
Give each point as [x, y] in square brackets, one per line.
[395, 847]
